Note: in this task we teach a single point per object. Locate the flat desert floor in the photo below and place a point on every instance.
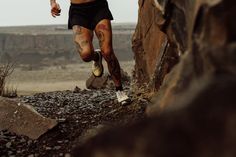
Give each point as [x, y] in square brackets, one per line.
[54, 78]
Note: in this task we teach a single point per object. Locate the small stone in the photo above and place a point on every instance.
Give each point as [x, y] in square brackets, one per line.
[8, 144]
[77, 89]
[113, 111]
[48, 148]
[59, 142]
[31, 155]
[22, 140]
[60, 120]
[67, 155]
[57, 147]
[10, 152]
[36, 155]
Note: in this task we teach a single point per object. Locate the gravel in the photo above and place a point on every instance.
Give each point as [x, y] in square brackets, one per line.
[76, 112]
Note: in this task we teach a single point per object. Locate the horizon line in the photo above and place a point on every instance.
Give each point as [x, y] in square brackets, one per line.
[59, 24]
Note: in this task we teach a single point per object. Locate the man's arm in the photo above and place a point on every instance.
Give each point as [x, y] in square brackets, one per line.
[55, 8]
[52, 2]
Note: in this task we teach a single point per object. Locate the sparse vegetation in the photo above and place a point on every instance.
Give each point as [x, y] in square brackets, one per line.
[5, 71]
[10, 92]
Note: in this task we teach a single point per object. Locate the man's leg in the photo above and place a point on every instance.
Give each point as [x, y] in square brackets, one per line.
[104, 33]
[83, 40]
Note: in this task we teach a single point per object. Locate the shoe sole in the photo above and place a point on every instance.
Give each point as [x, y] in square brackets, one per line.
[126, 102]
[99, 75]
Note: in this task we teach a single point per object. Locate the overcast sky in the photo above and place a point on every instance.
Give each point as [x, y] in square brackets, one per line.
[37, 12]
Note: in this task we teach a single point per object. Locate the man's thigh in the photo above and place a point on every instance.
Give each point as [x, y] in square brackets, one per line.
[103, 31]
[83, 38]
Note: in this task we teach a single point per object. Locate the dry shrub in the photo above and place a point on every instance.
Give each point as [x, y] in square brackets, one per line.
[5, 71]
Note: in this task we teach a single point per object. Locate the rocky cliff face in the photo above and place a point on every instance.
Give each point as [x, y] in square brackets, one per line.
[202, 33]
[30, 48]
[185, 25]
[185, 51]
[150, 46]
[198, 33]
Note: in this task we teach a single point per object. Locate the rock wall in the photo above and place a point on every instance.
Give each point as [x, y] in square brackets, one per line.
[30, 49]
[178, 22]
[207, 45]
[196, 32]
[150, 44]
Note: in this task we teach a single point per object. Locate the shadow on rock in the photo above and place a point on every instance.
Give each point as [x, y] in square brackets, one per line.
[205, 127]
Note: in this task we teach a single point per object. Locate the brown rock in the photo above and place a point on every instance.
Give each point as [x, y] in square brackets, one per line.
[97, 82]
[150, 46]
[105, 81]
[209, 54]
[23, 119]
[91, 133]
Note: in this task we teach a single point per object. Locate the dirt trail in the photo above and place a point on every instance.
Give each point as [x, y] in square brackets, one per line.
[30, 80]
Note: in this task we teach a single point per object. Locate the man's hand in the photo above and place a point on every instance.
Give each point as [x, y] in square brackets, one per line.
[55, 9]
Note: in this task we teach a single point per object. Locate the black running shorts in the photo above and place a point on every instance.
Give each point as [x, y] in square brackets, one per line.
[89, 14]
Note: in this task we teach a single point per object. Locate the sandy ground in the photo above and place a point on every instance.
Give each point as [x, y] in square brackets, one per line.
[54, 78]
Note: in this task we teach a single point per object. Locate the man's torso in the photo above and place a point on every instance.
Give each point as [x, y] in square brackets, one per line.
[81, 1]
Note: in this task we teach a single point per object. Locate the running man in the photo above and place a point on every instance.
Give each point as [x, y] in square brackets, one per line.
[85, 18]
